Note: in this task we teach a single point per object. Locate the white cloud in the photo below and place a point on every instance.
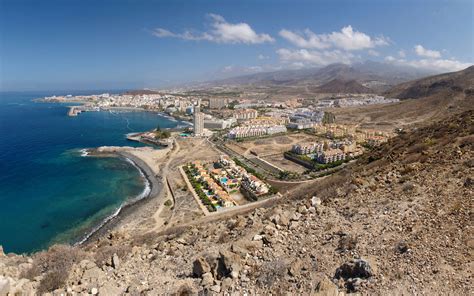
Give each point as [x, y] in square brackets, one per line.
[423, 52]
[263, 57]
[346, 39]
[314, 57]
[221, 32]
[402, 53]
[373, 53]
[437, 65]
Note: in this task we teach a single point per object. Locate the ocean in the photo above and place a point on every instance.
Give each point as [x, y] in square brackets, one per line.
[49, 191]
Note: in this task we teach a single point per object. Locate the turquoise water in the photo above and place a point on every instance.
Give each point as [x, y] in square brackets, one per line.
[49, 193]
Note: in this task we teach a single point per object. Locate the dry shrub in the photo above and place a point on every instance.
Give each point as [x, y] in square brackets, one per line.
[185, 290]
[407, 170]
[347, 243]
[466, 141]
[408, 187]
[412, 158]
[51, 281]
[223, 238]
[145, 239]
[55, 265]
[417, 148]
[270, 271]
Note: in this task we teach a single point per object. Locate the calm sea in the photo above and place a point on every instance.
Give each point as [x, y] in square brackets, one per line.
[49, 193]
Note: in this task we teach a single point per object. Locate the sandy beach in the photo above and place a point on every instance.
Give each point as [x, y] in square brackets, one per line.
[149, 161]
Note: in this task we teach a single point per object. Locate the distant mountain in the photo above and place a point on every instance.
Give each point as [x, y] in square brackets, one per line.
[422, 100]
[447, 85]
[377, 76]
[343, 86]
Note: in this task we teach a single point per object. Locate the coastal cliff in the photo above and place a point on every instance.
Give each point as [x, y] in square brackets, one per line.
[395, 222]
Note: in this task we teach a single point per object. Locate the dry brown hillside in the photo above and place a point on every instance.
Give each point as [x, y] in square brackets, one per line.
[344, 86]
[397, 222]
[427, 99]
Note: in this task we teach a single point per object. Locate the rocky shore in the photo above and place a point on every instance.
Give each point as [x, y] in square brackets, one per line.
[130, 209]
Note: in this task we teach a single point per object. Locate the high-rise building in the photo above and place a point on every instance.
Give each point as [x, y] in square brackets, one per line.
[198, 120]
[217, 103]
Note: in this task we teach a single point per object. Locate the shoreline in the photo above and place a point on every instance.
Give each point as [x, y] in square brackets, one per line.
[128, 207]
[83, 103]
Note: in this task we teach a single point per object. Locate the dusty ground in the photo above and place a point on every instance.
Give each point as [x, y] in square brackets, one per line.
[285, 164]
[272, 145]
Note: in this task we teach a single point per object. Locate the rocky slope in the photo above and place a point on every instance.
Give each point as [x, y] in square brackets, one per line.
[344, 86]
[447, 85]
[397, 222]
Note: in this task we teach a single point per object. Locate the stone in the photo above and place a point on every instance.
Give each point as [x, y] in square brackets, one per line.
[326, 287]
[94, 291]
[302, 210]
[227, 284]
[358, 268]
[215, 288]
[257, 237]
[239, 249]
[4, 285]
[315, 201]
[295, 217]
[200, 267]
[228, 265]
[295, 267]
[94, 274]
[2, 254]
[115, 261]
[109, 289]
[207, 279]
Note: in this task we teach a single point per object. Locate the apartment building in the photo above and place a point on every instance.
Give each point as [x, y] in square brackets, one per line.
[245, 114]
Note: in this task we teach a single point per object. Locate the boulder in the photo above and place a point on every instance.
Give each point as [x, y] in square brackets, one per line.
[302, 209]
[215, 288]
[315, 201]
[200, 267]
[228, 265]
[207, 279]
[115, 261]
[358, 268]
[4, 285]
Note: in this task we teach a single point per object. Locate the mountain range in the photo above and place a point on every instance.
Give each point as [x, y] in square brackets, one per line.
[373, 75]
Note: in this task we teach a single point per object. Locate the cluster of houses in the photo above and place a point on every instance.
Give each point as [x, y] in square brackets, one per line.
[224, 178]
[327, 152]
[217, 194]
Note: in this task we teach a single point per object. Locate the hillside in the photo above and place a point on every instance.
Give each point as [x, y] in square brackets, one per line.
[428, 99]
[344, 86]
[399, 221]
[386, 74]
[449, 85]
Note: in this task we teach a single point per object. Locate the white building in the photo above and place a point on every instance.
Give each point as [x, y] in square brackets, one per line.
[217, 103]
[245, 114]
[255, 131]
[198, 121]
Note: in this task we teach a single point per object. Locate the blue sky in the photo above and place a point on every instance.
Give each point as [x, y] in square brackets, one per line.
[135, 44]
